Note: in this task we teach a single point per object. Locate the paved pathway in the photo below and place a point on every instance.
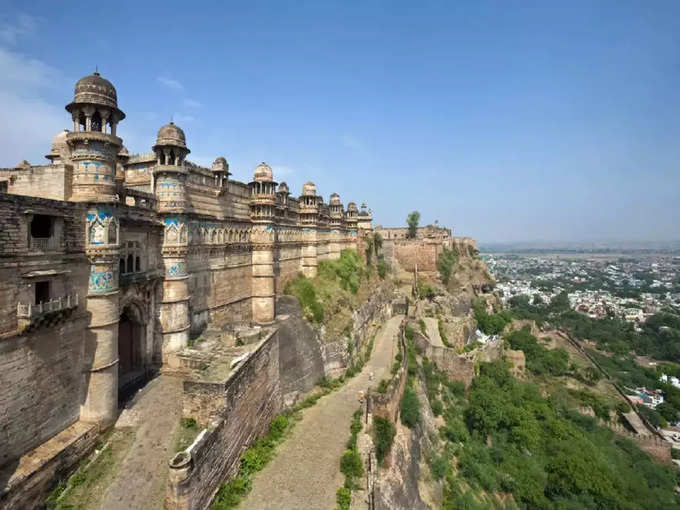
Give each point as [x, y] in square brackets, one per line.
[432, 327]
[140, 479]
[305, 474]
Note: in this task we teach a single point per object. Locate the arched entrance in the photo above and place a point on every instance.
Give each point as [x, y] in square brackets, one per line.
[131, 339]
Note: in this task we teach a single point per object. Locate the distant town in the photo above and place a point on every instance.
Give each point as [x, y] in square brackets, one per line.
[632, 288]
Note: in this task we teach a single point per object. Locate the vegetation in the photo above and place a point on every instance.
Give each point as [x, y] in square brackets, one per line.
[410, 407]
[442, 333]
[254, 459]
[188, 431]
[490, 324]
[447, 260]
[86, 487]
[383, 437]
[412, 221]
[659, 336]
[351, 464]
[539, 360]
[336, 287]
[508, 438]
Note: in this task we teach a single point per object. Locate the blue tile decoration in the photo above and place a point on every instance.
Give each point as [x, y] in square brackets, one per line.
[101, 282]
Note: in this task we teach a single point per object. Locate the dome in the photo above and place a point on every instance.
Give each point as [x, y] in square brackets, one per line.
[335, 199]
[263, 172]
[93, 89]
[59, 141]
[283, 188]
[309, 189]
[170, 134]
[220, 165]
[352, 206]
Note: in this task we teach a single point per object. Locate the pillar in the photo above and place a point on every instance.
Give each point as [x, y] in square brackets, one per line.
[263, 283]
[101, 342]
[309, 253]
[174, 308]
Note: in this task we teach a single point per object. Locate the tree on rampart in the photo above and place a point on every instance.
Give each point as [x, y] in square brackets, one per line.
[412, 221]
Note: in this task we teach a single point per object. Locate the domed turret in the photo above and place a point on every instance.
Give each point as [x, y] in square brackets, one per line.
[220, 165]
[309, 189]
[334, 200]
[95, 90]
[95, 104]
[171, 147]
[59, 147]
[263, 173]
[172, 135]
[262, 194]
[95, 115]
[283, 188]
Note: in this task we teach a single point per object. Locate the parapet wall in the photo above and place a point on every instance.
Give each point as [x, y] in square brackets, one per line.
[238, 410]
[386, 405]
[424, 252]
[459, 367]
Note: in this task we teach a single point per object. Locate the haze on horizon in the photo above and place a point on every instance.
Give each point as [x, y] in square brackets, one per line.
[555, 121]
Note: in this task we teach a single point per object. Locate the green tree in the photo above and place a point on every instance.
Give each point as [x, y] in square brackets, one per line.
[412, 221]
[445, 264]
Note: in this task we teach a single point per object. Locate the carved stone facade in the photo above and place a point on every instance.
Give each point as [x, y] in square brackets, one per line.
[129, 256]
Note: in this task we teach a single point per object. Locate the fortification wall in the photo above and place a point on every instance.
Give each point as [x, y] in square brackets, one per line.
[236, 412]
[289, 265]
[412, 252]
[386, 405]
[41, 385]
[44, 181]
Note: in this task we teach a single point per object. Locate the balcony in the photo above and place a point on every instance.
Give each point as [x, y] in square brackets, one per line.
[31, 315]
[52, 243]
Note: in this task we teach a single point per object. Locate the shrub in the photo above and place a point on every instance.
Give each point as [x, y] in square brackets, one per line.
[278, 427]
[447, 259]
[457, 388]
[383, 268]
[383, 437]
[438, 465]
[410, 408]
[437, 407]
[423, 328]
[343, 498]
[382, 387]
[351, 465]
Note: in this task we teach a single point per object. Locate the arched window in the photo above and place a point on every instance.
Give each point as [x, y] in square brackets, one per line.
[82, 121]
[138, 264]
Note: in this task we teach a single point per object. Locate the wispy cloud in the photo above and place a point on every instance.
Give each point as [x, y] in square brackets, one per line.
[24, 83]
[181, 118]
[170, 83]
[282, 171]
[192, 103]
[24, 25]
[351, 142]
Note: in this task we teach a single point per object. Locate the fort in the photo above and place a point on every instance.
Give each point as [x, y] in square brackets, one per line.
[111, 263]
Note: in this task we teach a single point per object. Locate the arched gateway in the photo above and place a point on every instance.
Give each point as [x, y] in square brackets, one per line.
[131, 351]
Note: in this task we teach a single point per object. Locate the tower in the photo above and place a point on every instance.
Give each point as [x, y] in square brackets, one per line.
[309, 213]
[337, 226]
[262, 213]
[94, 148]
[220, 169]
[351, 219]
[170, 175]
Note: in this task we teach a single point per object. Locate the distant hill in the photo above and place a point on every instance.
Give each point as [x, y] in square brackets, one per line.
[582, 247]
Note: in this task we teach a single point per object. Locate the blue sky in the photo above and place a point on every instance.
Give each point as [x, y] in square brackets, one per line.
[508, 121]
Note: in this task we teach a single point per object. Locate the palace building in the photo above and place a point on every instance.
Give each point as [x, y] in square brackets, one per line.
[110, 262]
